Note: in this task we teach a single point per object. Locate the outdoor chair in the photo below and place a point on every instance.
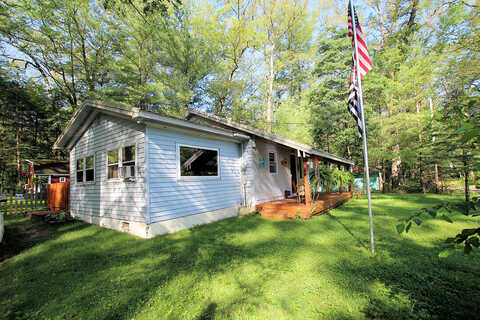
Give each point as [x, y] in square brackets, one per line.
[301, 191]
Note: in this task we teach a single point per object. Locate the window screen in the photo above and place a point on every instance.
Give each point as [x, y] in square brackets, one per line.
[272, 161]
[198, 162]
[113, 164]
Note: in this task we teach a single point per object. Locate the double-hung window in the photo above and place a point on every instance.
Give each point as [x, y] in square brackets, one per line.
[85, 169]
[121, 162]
[113, 164]
[272, 162]
[128, 161]
[80, 169]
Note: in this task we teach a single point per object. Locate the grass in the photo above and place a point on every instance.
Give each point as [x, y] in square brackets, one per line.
[250, 268]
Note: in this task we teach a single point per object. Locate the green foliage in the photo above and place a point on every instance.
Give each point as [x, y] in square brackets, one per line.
[325, 176]
[343, 177]
[411, 187]
[468, 237]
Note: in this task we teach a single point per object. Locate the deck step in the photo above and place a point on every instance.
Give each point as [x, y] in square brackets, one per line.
[289, 208]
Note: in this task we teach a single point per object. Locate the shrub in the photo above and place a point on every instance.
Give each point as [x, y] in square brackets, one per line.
[343, 177]
[325, 177]
[410, 187]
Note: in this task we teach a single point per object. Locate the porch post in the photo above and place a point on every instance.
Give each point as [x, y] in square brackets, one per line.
[307, 185]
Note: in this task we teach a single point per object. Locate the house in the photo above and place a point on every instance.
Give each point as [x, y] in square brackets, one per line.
[52, 171]
[146, 174]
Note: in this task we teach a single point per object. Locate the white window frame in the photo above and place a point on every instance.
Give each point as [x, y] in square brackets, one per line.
[268, 161]
[107, 165]
[84, 159]
[119, 149]
[179, 172]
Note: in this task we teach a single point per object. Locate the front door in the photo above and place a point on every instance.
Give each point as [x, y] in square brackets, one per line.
[293, 171]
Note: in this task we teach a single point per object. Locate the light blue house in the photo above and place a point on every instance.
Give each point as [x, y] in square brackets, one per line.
[146, 174]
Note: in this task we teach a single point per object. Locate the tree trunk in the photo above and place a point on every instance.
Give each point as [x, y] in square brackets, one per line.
[437, 190]
[384, 176]
[17, 145]
[271, 78]
[396, 163]
[467, 183]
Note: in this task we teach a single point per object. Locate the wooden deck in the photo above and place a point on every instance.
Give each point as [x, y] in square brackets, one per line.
[290, 208]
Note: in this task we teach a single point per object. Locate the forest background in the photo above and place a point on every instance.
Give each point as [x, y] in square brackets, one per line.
[282, 66]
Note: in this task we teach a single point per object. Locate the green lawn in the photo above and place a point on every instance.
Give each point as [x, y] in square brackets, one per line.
[250, 268]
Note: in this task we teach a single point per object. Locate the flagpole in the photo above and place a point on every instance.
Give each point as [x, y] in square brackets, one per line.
[364, 133]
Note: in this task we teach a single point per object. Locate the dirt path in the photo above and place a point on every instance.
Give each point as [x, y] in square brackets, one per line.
[22, 233]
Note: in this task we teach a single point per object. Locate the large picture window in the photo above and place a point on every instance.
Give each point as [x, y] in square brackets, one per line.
[198, 162]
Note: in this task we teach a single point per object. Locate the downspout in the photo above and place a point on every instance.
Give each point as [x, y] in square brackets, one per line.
[147, 183]
[242, 176]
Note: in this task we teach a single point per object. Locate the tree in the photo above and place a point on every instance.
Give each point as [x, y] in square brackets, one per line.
[333, 127]
[279, 20]
[28, 127]
[65, 42]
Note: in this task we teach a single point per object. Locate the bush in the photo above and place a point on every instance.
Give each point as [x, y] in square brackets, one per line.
[410, 187]
[325, 177]
[343, 178]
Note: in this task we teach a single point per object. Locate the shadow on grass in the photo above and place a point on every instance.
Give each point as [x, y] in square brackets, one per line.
[22, 233]
[347, 229]
[93, 273]
[209, 313]
[408, 280]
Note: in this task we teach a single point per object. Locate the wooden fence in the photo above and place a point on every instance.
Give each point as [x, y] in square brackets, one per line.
[19, 203]
[58, 196]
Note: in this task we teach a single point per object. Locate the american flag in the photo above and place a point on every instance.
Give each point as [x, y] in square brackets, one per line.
[363, 57]
[354, 106]
[354, 100]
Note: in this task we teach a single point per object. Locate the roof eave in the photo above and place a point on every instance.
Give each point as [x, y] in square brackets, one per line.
[149, 116]
[77, 123]
[270, 137]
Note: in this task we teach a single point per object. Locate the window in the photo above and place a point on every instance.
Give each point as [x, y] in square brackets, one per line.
[86, 169]
[198, 162]
[112, 171]
[272, 162]
[89, 169]
[80, 168]
[128, 161]
[121, 162]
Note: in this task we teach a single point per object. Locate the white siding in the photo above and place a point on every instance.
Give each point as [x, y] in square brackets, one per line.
[171, 197]
[113, 199]
[271, 186]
